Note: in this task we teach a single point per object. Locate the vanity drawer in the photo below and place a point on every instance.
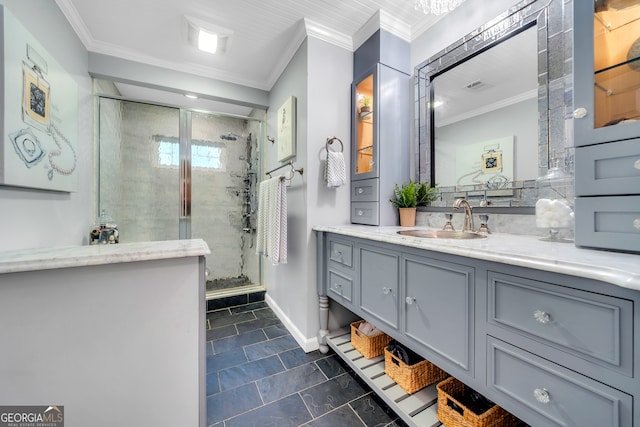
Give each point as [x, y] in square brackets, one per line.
[341, 252]
[365, 213]
[365, 190]
[340, 287]
[608, 222]
[554, 395]
[608, 169]
[593, 327]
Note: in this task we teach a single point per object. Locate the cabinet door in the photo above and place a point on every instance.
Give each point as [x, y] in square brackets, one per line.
[439, 308]
[379, 277]
[364, 153]
[606, 71]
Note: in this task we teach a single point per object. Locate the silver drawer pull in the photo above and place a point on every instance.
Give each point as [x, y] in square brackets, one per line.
[360, 213]
[636, 164]
[542, 395]
[636, 223]
[337, 286]
[541, 316]
[410, 300]
[361, 190]
[338, 254]
[579, 113]
[386, 290]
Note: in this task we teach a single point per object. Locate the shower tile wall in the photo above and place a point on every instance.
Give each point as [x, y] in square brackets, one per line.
[143, 196]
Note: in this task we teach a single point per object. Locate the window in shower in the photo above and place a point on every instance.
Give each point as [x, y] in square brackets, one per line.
[204, 154]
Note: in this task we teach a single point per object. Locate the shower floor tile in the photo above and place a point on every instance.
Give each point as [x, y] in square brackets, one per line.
[258, 375]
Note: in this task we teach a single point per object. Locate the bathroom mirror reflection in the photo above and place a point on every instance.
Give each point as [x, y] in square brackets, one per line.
[492, 107]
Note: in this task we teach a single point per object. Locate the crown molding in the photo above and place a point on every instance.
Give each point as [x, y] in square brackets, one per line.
[328, 34]
[71, 13]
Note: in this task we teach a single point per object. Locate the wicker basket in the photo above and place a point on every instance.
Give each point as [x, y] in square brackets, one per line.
[412, 377]
[452, 413]
[369, 346]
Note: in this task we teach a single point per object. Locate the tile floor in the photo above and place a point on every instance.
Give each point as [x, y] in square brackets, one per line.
[257, 375]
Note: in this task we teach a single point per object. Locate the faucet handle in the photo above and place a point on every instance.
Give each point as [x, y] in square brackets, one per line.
[448, 225]
[484, 228]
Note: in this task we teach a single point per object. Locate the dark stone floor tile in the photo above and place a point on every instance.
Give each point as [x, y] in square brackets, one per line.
[223, 332]
[331, 366]
[257, 296]
[216, 304]
[291, 381]
[249, 307]
[213, 386]
[265, 313]
[332, 394]
[248, 372]
[287, 412]
[225, 360]
[297, 356]
[343, 416]
[276, 330]
[221, 318]
[233, 402]
[373, 411]
[258, 324]
[268, 348]
[247, 338]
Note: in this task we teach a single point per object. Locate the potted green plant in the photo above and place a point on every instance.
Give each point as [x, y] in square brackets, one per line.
[405, 198]
[426, 193]
[366, 105]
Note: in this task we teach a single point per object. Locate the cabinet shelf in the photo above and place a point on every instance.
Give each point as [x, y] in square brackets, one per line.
[366, 116]
[419, 409]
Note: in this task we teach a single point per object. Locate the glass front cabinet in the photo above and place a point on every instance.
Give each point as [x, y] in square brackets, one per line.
[607, 123]
[365, 162]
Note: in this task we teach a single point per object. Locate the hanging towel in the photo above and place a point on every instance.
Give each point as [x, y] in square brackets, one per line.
[335, 172]
[271, 238]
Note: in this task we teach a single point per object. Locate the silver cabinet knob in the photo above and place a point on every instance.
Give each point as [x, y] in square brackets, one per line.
[337, 286]
[360, 213]
[636, 223]
[360, 190]
[636, 164]
[386, 290]
[541, 316]
[410, 300]
[542, 395]
[579, 113]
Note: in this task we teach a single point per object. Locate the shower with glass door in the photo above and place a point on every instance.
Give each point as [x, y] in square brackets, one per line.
[167, 173]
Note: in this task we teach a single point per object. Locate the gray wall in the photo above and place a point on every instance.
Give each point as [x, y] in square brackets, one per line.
[319, 76]
[34, 218]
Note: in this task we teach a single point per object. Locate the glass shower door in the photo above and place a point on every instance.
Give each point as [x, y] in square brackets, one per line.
[139, 169]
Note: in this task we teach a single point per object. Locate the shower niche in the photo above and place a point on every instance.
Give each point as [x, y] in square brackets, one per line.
[168, 173]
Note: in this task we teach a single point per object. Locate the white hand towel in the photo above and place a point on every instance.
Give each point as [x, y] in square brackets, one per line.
[335, 172]
[271, 236]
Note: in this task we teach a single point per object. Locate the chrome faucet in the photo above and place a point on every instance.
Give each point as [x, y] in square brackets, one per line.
[468, 216]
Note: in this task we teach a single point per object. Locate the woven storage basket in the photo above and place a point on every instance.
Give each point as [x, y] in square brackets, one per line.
[412, 377]
[449, 392]
[369, 346]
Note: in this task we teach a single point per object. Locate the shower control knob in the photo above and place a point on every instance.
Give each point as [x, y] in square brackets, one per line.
[579, 113]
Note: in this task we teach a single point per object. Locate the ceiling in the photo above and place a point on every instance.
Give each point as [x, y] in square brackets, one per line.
[265, 33]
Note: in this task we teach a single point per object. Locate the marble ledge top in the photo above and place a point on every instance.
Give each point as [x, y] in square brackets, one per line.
[79, 256]
[619, 269]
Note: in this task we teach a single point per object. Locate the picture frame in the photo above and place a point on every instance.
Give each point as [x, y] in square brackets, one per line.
[38, 114]
[287, 129]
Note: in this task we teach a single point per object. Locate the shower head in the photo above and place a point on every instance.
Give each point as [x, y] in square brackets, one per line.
[230, 136]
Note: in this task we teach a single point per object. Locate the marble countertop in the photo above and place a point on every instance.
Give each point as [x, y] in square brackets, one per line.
[78, 256]
[619, 269]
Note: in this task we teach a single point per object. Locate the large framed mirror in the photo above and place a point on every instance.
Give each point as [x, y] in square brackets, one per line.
[493, 108]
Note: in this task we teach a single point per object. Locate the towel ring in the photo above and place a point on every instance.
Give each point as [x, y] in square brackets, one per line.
[330, 142]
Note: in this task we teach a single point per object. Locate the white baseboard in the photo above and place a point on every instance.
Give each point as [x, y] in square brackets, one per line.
[307, 344]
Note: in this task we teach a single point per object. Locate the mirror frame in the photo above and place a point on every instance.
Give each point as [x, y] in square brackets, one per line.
[553, 20]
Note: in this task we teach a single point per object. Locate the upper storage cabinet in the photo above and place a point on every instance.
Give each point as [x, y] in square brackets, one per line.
[607, 70]
[365, 161]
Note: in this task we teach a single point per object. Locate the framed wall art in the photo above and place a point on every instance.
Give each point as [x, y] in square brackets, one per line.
[39, 118]
[287, 129]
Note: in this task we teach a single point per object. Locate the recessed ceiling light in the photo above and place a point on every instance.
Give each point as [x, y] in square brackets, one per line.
[207, 42]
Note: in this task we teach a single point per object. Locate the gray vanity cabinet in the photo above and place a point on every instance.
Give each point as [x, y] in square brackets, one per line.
[607, 157]
[378, 284]
[553, 349]
[438, 309]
